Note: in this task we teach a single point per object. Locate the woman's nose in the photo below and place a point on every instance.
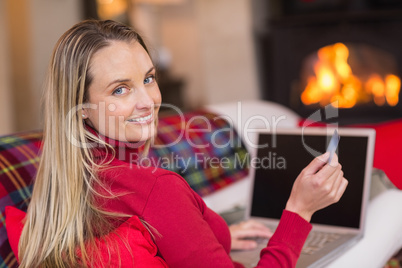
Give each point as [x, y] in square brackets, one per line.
[144, 100]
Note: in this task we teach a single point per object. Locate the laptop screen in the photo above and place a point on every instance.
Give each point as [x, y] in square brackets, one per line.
[285, 157]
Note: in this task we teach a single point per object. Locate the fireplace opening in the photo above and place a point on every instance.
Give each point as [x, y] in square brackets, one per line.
[347, 76]
[341, 53]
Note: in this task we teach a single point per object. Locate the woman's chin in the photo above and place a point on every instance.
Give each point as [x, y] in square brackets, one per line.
[140, 137]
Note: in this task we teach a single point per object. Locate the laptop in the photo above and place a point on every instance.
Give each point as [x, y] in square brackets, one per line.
[280, 158]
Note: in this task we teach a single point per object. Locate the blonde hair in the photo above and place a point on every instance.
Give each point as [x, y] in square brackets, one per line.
[62, 217]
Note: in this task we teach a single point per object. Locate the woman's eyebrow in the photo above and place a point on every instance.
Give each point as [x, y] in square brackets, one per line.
[118, 81]
[128, 80]
[150, 70]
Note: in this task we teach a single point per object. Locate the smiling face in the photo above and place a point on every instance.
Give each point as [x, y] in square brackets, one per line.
[123, 94]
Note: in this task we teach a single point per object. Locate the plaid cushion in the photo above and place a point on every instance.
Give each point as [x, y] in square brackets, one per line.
[18, 163]
[200, 146]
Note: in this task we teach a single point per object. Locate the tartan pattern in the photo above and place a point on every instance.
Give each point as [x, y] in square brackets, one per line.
[18, 164]
[209, 155]
[19, 161]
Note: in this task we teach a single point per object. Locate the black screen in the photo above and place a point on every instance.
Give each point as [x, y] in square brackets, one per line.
[282, 161]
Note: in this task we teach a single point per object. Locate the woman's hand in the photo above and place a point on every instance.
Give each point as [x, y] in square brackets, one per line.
[243, 230]
[318, 186]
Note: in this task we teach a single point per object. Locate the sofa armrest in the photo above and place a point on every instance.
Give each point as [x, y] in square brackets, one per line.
[255, 114]
[383, 236]
[232, 196]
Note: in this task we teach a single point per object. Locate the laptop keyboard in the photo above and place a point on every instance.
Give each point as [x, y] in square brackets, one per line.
[316, 241]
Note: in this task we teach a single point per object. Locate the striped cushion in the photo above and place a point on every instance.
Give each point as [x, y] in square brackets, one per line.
[200, 146]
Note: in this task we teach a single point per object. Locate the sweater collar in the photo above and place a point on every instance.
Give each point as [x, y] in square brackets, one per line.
[125, 151]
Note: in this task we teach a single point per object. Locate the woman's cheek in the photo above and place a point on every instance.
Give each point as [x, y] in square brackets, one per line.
[157, 96]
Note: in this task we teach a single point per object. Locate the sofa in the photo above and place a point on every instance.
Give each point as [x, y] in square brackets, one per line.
[223, 189]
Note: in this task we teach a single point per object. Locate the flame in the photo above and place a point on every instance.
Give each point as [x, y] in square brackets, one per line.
[392, 88]
[326, 79]
[376, 86]
[335, 83]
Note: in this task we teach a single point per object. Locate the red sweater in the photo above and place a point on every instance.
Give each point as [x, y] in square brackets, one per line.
[141, 251]
[191, 234]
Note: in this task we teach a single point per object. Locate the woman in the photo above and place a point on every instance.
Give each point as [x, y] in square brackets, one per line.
[101, 106]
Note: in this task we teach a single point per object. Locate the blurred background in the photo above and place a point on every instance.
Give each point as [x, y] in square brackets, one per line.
[204, 49]
[303, 54]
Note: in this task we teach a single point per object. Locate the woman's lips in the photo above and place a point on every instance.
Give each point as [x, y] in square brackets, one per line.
[142, 120]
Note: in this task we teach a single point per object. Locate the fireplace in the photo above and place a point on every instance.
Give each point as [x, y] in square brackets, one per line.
[347, 54]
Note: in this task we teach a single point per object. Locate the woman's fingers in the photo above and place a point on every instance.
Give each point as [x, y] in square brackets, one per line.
[318, 185]
[247, 229]
[243, 244]
[252, 233]
[317, 164]
[342, 187]
[250, 228]
[252, 224]
[328, 169]
[338, 177]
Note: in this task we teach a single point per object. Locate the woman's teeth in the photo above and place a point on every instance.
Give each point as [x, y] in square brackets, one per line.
[141, 119]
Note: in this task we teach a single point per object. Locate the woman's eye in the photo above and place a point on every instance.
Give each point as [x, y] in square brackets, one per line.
[149, 79]
[119, 91]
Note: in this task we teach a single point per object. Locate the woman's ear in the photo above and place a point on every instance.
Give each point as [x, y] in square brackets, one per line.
[83, 115]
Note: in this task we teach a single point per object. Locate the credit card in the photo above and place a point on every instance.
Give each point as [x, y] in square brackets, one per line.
[333, 144]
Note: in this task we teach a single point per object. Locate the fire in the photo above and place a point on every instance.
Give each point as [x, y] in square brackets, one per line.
[392, 87]
[335, 83]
